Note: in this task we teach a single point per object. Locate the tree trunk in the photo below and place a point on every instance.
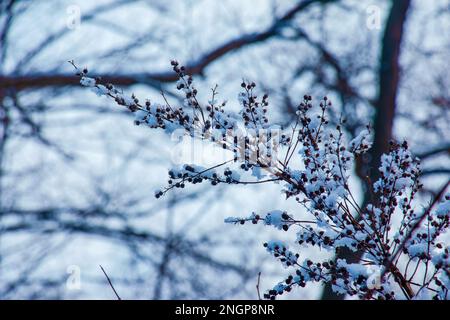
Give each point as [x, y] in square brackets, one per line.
[388, 78]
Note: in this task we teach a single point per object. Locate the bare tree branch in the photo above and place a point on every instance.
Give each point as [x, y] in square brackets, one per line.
[32, 81]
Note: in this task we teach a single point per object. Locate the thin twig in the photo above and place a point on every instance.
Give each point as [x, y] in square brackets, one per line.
[416, 225]
[110, 283]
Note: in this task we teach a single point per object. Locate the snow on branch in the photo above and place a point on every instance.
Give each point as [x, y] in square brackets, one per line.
[404, 251]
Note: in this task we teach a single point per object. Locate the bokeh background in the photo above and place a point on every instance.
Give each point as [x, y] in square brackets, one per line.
[77, 179]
